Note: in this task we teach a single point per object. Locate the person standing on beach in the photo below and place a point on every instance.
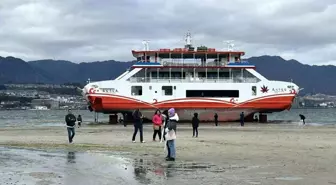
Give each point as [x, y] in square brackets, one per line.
[138, 125]
[70, 121]
[195, 123]
[171, 134]
[216, 119]
[242, 119]
[79, 120]
[157, 123]
[165, 118]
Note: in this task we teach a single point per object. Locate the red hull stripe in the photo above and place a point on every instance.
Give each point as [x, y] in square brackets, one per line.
[116, 102]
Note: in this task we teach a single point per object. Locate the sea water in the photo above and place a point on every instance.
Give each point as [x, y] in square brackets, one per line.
[314, 117]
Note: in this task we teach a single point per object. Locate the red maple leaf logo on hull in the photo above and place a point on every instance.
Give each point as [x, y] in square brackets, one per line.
[264, 89]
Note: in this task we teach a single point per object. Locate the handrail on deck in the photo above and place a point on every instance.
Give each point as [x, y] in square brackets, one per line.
[194, 80]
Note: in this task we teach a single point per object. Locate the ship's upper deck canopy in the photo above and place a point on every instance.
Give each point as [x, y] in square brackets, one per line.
[189, 54]
[188, 51]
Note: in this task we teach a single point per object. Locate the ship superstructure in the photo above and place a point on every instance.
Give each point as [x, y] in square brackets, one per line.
[201, 79]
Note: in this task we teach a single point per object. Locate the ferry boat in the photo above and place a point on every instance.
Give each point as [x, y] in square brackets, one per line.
[189, 79]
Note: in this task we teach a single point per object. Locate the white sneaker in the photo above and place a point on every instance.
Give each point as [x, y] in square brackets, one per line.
[143, 141]
[133, 141]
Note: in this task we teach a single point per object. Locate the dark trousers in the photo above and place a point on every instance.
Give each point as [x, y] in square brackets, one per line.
[158, 132]
[136, 128]
[71, 133]
[242, 123]
[303, 121]
[195, 131]
[216, 122]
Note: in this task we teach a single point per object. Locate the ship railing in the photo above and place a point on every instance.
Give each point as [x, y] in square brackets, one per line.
[193, 64]
[194, 80]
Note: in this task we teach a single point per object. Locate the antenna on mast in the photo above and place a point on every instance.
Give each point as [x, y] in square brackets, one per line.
[146, 46]
[188, 40]
[230, 45]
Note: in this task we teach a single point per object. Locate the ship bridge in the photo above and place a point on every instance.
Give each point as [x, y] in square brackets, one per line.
[190, 64]
[190, 56]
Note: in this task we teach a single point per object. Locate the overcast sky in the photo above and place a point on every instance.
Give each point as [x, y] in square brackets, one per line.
[91, 30]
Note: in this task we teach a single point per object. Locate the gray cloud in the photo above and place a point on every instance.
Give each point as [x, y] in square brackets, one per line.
[89, 30]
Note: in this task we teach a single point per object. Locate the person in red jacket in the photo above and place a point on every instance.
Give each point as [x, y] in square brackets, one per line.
[157, 123]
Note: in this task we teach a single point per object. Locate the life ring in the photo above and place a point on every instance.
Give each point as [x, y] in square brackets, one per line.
[155, 100]
[232, 100]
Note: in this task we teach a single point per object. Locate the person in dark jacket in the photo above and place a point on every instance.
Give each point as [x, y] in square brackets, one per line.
[216, 119]
[79, 120]
[302, 117]
[195, 123]
[137, 116]
[242, 119]
[165, 118]
[70, 121]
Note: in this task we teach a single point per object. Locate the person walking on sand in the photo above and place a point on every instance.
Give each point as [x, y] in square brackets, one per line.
[216, 119]
[79, 120]
[157, 123]
[242, 119]
[70, 121]
[195, 123]
[138, 125]
[171, 134]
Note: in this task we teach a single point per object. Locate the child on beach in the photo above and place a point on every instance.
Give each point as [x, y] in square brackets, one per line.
[171, 134]
[157, 123]
[79, 120]
[195, 122]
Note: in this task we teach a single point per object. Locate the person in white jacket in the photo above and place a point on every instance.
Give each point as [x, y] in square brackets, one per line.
[171, 134]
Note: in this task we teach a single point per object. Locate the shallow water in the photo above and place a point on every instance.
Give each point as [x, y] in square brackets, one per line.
[314, 117]
[30, 167]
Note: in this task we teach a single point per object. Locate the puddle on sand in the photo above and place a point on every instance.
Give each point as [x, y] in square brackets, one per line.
[30, 167]
[38, 167]
[288, 178]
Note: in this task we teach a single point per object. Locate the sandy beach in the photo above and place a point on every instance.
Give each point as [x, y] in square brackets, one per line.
[255, 154]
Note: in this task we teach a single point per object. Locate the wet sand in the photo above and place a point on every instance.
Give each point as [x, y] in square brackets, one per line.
[255, 154]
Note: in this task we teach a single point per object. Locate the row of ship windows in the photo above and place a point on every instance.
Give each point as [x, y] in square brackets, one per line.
[168, 91]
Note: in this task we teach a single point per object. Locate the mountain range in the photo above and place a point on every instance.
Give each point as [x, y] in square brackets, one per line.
[314, 79]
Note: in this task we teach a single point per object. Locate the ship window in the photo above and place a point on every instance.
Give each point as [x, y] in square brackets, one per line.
[174, 87]
[167, 90]
[213, 93]
[136, 90]
[254, 90]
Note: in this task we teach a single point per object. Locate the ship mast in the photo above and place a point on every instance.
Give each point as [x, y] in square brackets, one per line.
[146, 46]
[230, 45]
[188, 40]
